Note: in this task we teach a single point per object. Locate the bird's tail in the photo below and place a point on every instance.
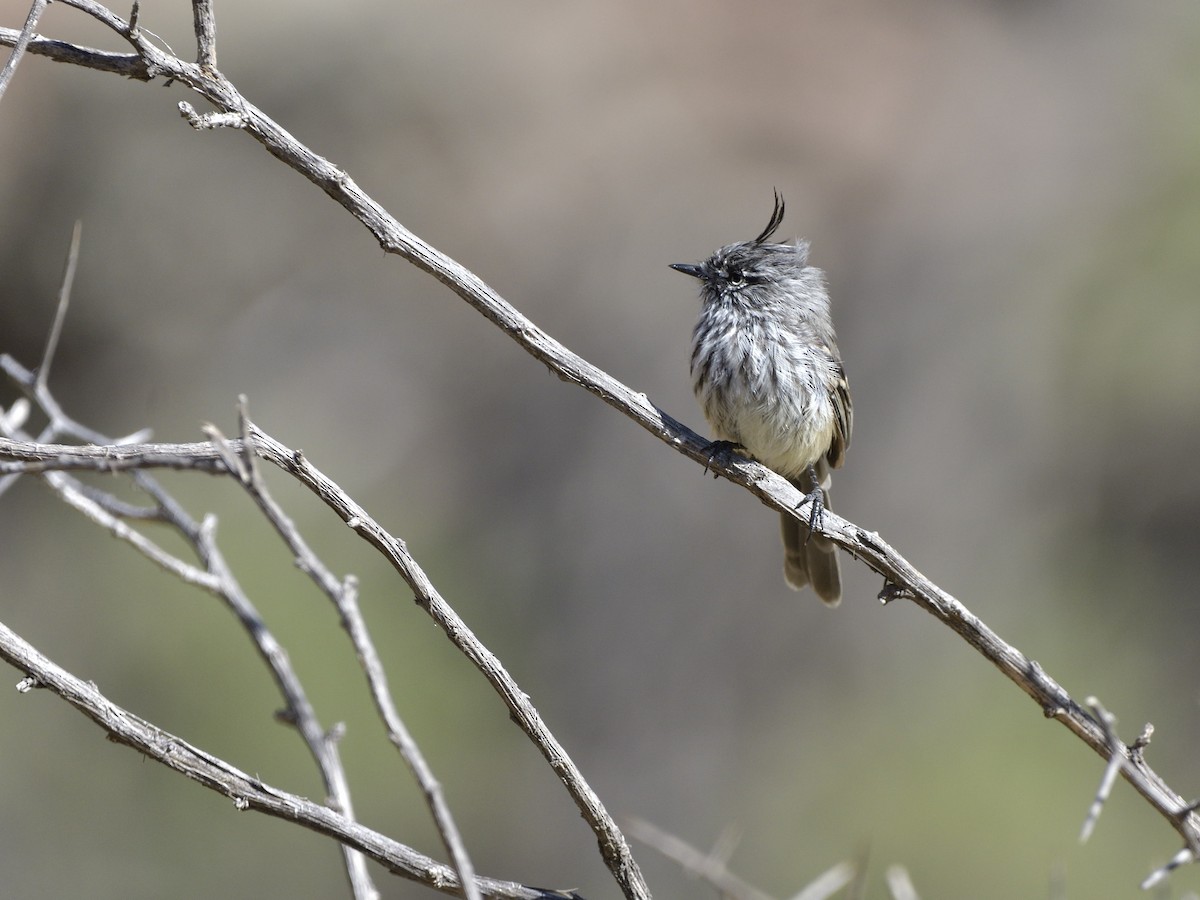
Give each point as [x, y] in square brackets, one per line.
[810, 558]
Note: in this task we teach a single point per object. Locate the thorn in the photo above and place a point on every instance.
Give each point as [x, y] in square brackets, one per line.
[892, 591]
[1116, 759]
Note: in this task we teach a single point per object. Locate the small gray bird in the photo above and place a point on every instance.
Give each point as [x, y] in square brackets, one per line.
[766, 369]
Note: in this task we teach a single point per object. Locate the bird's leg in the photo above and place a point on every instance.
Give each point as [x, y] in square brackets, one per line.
[722, 452]
[817, 498]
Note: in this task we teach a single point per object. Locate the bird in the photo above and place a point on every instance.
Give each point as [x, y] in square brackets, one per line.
[767, 371]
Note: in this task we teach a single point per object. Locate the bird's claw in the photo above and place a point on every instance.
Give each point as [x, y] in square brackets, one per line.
[722, 452]
[817, 510]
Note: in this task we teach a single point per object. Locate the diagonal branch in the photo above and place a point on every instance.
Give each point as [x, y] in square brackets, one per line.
[232, 108]
[225, 457]
[344, 595]
[213, 574]
[613, 846]
[64, 300]
[707, 867]
[244, 790]
[21, 44]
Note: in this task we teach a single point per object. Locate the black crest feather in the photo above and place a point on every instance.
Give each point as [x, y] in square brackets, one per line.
[776, 220]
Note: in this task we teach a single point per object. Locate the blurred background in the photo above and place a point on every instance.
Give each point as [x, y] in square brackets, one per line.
[1006, 199]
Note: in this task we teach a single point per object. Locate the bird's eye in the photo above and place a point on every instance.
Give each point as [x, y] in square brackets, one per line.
[736, 277]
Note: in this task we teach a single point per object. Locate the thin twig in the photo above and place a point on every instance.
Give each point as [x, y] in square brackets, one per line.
[216, 577]
[1107, 721]
[26, 458]
[219, 580]
[344, 596]
[613, 847]
[246, 791]
[64, 300]
[299, 711]
[828, 882]
[205, 25]
[118, 507]
[104, 512]
[72, 493]
[900, 884]
[1182, 858]
[21, 43]
[705, 866]
[11, 426]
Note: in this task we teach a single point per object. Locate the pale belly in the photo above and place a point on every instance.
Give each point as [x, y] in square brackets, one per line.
[780, 435]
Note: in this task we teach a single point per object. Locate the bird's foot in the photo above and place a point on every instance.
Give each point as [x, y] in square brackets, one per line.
[722, 452]
[816, 512]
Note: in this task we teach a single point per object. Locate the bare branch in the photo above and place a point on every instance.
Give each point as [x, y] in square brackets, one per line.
[1182, 858]
[129, 65]
[244, 790]
[232, 109]
[900, 883]
[241, 462]
[613, 846]
[21, 43]
[206, 34]
[345, 597]
[106, 17]
[25, 457]
[705, 866]
[1107, 721]
[218, 579]
[210, 121]
[64, 300]
[72, 493]
[828, 882]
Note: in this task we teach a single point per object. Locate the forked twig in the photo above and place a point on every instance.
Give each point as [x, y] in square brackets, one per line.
[708, 867]
[216, 577]
[344, 595]
[213, 574]
[246, 791]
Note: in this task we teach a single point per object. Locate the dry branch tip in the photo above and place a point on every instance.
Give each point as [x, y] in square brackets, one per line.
[892, 591]
[27, 684]
[208, 121]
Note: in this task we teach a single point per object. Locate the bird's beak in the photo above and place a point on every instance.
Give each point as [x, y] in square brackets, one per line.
[688, 269]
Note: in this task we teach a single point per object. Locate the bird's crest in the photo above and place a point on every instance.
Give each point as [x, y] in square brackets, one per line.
[776, 221]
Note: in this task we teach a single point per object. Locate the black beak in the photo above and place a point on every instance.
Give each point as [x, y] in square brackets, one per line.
[689, 269]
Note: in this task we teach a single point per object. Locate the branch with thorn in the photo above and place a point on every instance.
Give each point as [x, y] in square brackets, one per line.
[239, 459]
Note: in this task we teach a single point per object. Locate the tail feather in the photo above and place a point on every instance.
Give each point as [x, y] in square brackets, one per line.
[811, 559]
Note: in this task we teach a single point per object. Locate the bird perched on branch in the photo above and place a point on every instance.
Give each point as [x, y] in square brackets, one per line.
[766, 369]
